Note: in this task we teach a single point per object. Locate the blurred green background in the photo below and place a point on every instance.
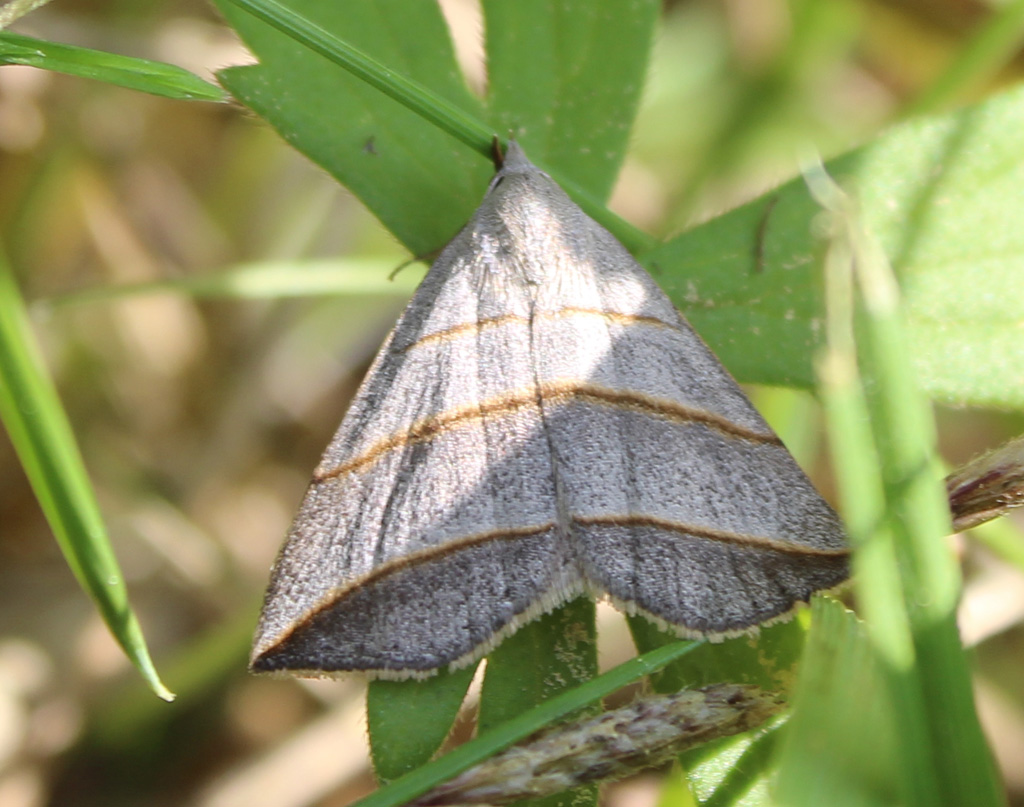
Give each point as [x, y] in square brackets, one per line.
[200, 421]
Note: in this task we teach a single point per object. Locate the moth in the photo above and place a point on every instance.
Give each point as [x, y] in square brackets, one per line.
[541, 422]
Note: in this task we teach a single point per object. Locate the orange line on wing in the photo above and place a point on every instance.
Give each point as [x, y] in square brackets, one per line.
[558, 392]
[713, 534]
[564, 313]
[407, 561]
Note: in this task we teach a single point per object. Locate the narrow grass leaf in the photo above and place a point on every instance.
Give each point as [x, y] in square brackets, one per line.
[155, 78]
[876, 575]
[42, 438]
[918, 512]
[905, 575]
[125, 715]
[266, 280]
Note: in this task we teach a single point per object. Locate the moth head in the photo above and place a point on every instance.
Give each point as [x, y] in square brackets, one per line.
[516, 166]
[521, 192]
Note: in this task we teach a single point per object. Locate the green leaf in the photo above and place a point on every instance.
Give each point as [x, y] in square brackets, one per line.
[415, 178]
[566, 77]
[156, 78]
[746, 281]
[393, 707]
[906, 578]
[941, 196]
[42, 438]
[736, 770]
[842, 742]
[517, 728]
[542, 659]
[767, 659]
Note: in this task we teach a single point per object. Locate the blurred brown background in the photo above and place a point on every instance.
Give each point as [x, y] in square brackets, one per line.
[200, 421]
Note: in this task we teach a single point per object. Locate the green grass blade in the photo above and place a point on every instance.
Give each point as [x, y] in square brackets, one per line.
[266, 280]
[995, 43]
[905, 575]
[875, 572]
[918, 513]
[42, 438]
[125, 716]
[422, 779]
[156, 78]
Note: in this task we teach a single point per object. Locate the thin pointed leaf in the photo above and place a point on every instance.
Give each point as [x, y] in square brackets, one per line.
[918, 514]
[905, 576]
[156, 78]
[266, 279]
[42, 437]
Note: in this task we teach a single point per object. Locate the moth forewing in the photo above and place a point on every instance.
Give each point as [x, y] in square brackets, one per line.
[541, 421]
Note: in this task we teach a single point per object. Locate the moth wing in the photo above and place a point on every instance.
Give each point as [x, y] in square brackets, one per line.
[429, 531]
[683, 504]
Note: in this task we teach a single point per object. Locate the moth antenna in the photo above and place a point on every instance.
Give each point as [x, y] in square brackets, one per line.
[497, 155]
